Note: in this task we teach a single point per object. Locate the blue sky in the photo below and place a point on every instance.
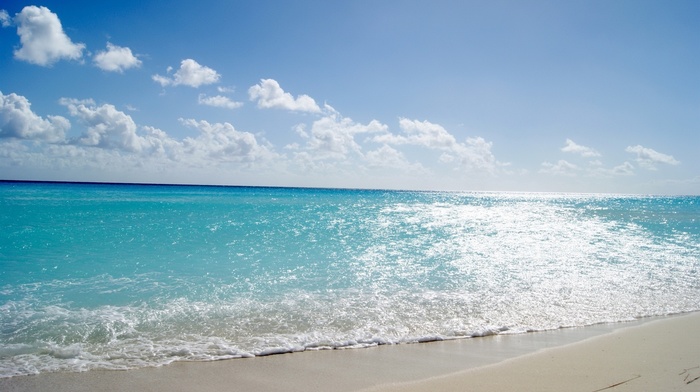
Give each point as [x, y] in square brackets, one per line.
[574, 96]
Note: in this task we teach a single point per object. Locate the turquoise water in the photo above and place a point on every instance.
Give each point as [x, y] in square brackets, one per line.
[126, 276]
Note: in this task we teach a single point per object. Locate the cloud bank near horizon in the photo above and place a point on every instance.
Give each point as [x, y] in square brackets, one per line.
[100, 135]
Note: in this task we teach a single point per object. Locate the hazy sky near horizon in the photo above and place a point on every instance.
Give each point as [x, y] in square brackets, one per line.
[582, 96]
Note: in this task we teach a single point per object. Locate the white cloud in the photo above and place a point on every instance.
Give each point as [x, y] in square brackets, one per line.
[420, 133]
[473, 154]
[561, 168]
[111, 129]
[584, 151]
[162, 80]
[5, 19]
[222, 142]
[190, 74]
[269, 95]
[476, 154]
[107, 127]
[648, 158]
[112, 146]
[18, 121]
[160, 144]
[71, 161]
[116, 59]
[218, 101]
[333, 136]
[626, 169]
[595, 169]
[42, 38]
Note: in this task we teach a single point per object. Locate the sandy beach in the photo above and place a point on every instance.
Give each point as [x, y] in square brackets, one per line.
[662, 355]
[656, 355]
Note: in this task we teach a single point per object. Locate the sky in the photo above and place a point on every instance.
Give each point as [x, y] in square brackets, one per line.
[548, 96]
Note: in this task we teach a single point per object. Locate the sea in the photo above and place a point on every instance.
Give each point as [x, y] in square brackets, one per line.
[124, 276]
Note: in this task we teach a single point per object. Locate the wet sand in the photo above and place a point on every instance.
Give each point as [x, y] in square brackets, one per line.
[650, 355]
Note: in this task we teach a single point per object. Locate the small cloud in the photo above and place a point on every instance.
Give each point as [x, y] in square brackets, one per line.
[648, 158]
[420, 133]
[584, 151]
[597, 169]
[190, 74]
[269, 95]
[162, 80]
[226, 90]
[42, 38]
[5, 19]
[626, 169]
[116, 59]
[219, 101]
[561, 168]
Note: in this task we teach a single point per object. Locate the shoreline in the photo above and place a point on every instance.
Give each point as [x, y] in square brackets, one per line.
[564, 359]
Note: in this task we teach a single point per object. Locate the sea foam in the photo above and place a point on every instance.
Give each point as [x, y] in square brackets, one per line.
[120, 277]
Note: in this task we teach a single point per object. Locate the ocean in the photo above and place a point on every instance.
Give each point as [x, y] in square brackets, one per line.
[109, 276]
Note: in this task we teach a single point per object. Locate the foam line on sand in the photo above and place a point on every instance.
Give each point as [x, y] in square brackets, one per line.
[660, 355]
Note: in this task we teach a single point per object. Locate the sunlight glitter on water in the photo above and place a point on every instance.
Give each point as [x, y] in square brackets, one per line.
[146, 276]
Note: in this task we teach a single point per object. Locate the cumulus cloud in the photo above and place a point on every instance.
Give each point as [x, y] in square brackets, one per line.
[561, 168]
[420, 133]
[110, 129]
[333, 136]
[116, 59]
[222, 142]
[386, 156]
[107, 127]
[42, 39]
[190, 74]
[473, 154]
[17, 120]
[648, 158]
[219, 101]
[110, 143]
[269, 95]
[579, 149]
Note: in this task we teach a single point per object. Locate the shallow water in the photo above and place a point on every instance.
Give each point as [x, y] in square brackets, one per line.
[125, 276]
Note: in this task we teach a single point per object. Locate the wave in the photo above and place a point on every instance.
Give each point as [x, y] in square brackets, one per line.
[148, 279]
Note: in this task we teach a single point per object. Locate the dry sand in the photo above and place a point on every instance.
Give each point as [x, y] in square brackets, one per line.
[660, 355]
